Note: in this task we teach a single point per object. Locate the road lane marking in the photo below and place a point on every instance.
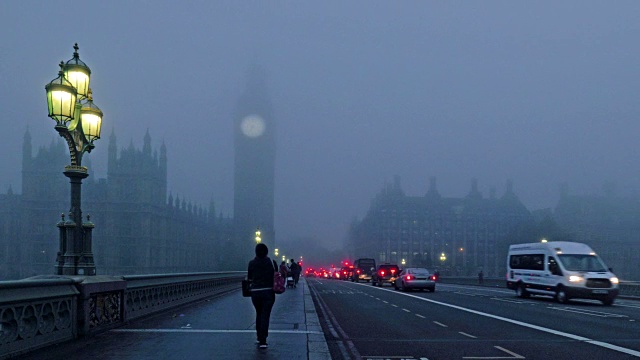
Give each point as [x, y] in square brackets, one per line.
[209, 331]
[418, 315]
[394, 305]
[513, 355]
[384, 301]
[439, 323]
[586, 312]
[527, 325]
[513, 301]
[484, 289]
[407, 310]
[467, 335]
[625, 304]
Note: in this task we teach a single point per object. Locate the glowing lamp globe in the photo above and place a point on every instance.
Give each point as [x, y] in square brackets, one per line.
[78, 73]
[61, 98]
[91, 119]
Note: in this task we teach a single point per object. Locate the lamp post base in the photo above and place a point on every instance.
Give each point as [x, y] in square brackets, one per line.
[75, 236]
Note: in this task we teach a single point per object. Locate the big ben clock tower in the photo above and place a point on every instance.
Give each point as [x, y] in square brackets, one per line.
[254, 167]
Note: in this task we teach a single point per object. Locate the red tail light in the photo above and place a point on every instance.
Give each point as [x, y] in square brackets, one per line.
[358, 271]
[409, 277]
[393, 271]
[432, 277]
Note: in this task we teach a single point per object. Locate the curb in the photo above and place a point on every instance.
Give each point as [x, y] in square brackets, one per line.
[316, 343]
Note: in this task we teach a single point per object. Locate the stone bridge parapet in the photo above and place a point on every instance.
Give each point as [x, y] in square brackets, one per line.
[48, 309]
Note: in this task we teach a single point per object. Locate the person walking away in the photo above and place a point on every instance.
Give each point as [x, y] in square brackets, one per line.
[260, 273]
[284, 270]
[295, 271]
[481, 277]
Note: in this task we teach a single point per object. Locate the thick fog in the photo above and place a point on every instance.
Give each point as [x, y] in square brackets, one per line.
[541, 93]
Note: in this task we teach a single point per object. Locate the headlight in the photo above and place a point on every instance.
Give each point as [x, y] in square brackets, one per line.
[614, 280]
[575, 278]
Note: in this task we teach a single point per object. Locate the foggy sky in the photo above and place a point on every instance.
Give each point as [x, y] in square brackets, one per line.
[540, 92]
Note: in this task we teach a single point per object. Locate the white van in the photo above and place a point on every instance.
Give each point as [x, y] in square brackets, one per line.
[561, 269]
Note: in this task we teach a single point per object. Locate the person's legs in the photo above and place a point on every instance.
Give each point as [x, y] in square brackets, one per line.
[258, 305]
[267, 305]
[267, 299]
[263, 302]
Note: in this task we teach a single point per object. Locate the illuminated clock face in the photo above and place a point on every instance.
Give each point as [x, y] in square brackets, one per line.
[252, 126]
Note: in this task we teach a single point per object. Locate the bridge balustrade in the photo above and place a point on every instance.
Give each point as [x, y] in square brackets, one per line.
[45, 310]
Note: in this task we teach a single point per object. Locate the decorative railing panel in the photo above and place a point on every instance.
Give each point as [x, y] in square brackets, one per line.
[147, 294]
[105, 309]
[36, 313]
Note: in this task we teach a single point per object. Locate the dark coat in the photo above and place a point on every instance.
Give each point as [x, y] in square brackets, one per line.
[260, 272]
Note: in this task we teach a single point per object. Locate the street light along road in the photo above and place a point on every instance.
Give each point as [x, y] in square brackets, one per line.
[78, 121]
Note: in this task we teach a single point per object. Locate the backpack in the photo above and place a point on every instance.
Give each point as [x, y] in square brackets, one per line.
[278, 280]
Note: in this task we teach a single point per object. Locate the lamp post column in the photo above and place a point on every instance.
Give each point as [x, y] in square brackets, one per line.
[78, 259]
[62, 246]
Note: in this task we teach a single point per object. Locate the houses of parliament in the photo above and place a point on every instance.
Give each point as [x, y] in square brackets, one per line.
[140, 228]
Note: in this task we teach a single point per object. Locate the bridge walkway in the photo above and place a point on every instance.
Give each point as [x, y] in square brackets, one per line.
[222, 327]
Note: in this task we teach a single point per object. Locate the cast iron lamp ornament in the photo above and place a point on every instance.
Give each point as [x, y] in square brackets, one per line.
[79, 123]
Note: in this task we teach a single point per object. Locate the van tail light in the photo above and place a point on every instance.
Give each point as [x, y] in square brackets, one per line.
[358, 271]
[381, 272]
[393, 271]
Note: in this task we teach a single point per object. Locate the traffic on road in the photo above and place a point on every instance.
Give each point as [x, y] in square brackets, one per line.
[470, 322]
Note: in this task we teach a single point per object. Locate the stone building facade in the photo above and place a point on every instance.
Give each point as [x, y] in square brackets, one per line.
[609, 223]
[138, 228]
[474, 232]
[456, 236]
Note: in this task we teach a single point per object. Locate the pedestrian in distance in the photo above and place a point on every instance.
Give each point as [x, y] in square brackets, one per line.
[260, 273]
[284, 270]
[295, 272]
[480, 277]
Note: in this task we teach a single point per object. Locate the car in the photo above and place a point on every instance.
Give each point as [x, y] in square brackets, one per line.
[334, 273]
[309, 272]
[385, 274]
[364, 269]
[415, 278]
[346, 272]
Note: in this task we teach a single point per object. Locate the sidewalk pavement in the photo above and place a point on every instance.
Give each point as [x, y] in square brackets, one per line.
[218, 328]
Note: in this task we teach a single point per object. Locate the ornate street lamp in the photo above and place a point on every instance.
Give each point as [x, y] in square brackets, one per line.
[79, 123]
[258, 238]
